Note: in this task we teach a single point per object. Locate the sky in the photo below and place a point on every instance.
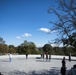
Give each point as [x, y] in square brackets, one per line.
[26, 20]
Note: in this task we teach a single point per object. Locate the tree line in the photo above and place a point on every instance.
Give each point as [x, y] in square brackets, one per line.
[58, 50]
[25, 47]
[30, 48]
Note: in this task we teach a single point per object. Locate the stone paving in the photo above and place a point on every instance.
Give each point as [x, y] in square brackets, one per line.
[32, 66]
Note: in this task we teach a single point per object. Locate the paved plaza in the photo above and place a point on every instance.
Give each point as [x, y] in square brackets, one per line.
[32, 66]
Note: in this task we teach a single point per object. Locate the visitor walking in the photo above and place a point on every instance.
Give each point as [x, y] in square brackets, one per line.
[10, 57]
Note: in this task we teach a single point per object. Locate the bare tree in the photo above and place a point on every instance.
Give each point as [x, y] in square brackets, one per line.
[65, 25]
[2, 41]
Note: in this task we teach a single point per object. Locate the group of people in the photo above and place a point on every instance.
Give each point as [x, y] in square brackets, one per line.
[48, 56]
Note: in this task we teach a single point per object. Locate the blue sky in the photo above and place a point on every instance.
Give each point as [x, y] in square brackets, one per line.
[26, 20]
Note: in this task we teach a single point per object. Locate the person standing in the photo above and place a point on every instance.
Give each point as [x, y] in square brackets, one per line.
[63, 62]
[46, 56]
[63, 68]
[10, 57]
[41, 55]
[1, 74]
[70, 57]
[26, 55]
[49, 56]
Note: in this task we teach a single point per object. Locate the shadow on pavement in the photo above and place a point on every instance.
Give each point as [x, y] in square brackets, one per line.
[5, 61]
[53, 71]
[43, 60]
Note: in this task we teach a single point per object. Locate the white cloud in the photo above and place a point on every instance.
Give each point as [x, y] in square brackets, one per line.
[18, 37]
[26, 34]
[45, 30]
